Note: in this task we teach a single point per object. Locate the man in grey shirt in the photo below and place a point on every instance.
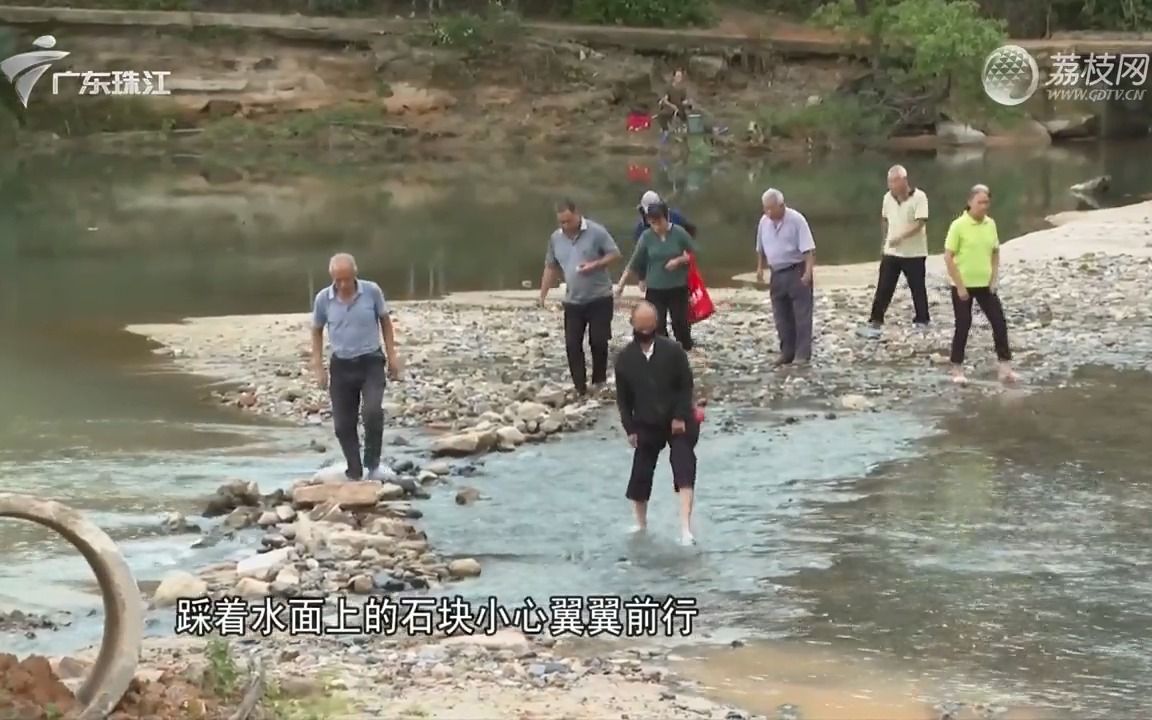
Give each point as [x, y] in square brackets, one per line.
[356, 315]
[784, 244]
[582, 250]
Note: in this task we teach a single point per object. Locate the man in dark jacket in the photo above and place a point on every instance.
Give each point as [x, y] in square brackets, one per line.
[654, 393]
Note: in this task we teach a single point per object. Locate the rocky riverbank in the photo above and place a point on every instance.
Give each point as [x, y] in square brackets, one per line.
[488, 372]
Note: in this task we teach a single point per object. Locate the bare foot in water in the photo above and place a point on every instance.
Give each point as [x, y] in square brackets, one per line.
[958, 376]
[1008, 377]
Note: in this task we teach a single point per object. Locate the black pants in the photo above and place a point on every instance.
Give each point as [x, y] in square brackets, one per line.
[650, 442]
[672, 304]
[595, 319]
[913, 269]
[993, 310]
[356, 387]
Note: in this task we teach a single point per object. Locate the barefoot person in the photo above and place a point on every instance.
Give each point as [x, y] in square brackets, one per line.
[904, 220]
[654, 392]
[972, 255]
[662, 257]
[785, 246]
[582, 250]
[357, 316]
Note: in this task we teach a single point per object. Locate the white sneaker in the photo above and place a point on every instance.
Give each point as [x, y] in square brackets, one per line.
[687, 539]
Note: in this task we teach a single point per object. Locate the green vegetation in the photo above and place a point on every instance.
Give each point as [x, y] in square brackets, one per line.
[321, 703]
[222, 675]
[926, 57]
[475, 33]
[643, 13]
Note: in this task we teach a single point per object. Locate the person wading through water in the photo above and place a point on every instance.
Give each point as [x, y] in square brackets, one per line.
[662, 256]
[357, 317]
[972, 255]
[654, 393]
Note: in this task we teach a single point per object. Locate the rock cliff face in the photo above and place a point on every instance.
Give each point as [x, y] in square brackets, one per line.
[518, 91]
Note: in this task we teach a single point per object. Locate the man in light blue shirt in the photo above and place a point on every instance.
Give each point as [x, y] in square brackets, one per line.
[357, 316]
[785, 246]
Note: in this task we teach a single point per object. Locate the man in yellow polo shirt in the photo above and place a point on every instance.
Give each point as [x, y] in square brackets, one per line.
[904, 219]
[972, 256]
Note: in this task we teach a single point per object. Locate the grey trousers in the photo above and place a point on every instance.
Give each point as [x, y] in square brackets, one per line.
[356, 387]
[792, 311]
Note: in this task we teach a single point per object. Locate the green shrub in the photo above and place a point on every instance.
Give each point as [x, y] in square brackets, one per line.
[642, 13]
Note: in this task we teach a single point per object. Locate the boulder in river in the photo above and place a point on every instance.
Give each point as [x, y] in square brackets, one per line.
[465, 443]
[231, 495]
[346, 494]
[178, 584]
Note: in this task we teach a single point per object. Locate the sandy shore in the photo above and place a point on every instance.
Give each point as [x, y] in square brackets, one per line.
[487, 370]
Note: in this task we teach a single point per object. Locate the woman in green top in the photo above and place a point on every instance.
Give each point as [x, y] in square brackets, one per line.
[662, 257]
[972, 254]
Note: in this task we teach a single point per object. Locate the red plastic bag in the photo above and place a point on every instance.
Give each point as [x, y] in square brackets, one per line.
[700, 305]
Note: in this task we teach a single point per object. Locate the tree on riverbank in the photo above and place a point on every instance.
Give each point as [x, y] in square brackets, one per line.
[925, 56]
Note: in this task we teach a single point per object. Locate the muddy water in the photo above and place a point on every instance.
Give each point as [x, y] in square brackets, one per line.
[1000, 555]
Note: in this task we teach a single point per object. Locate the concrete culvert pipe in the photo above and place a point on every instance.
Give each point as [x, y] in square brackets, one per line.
[123, 608]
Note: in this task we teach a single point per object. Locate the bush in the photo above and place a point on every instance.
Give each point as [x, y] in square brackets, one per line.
[924, 52]
[473, 32]
[642, 13]
[840, 117]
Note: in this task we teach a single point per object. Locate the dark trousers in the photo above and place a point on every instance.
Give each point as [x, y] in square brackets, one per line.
[672, 304]
[595, 319]
[990, 303]
[356, 387]
[792, 302]
[650, 442]
[914, 272]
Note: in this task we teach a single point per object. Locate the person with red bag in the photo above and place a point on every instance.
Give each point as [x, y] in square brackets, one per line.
[662, 258]
[700, 305]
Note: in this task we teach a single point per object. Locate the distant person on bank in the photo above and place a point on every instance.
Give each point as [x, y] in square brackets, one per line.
[784, 246]
[582, 250]
[662, 257]
[357, 318]
[904, 221]
[647, 200]
[674, 103]
[654, 393]
[972, 255]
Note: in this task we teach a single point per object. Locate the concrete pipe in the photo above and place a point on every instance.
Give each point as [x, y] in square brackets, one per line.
[123, 608]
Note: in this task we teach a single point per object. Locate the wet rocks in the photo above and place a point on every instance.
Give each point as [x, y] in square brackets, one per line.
[344, 493]
[464, 568]
[178, 584]
[28, 623]
[465, 443]
[467, 495]
[230, 496]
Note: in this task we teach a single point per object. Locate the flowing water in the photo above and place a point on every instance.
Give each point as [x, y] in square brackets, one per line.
[872, 561]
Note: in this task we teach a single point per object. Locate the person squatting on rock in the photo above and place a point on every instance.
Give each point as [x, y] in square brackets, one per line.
[662, 257]
[785, 246]
[356, 315]
[972, 256]
[582, 250]
[654, 393]
[904, 220]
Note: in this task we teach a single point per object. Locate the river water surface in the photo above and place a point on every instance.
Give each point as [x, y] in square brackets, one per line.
[1000, 551]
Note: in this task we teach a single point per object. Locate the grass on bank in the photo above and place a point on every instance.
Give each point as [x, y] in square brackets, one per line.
[224, 676]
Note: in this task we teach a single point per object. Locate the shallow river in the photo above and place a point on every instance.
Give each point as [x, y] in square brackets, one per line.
[1001, 552]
